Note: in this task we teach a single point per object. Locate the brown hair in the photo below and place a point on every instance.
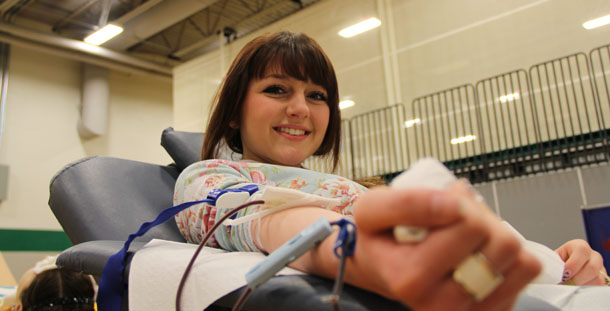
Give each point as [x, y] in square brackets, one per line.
[59, 290]
[371, 182]
[296, 55]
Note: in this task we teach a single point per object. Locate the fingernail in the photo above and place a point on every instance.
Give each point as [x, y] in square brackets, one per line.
[567, 274]
[465, 205]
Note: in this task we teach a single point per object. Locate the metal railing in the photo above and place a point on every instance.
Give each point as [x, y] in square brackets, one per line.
[441, 121]
[509, 133]
[600, 71]
[554, 116]
[570, 119]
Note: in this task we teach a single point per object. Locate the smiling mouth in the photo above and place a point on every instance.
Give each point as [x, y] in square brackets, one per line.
[289, 131]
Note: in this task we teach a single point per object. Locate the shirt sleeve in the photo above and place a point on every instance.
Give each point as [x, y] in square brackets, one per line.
[197, 180]
[194, 183]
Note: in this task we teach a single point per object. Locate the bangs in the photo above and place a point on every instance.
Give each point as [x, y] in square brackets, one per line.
[296, 57]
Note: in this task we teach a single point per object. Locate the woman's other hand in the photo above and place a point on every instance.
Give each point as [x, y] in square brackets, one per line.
[420, 274]
[583, 265]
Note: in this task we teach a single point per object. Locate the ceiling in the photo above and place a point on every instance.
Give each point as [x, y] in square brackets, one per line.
[158, 34]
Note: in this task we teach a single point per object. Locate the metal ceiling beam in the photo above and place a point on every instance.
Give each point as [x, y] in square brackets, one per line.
[136, 12]
[213, 39]
[7, 5]
[80, 50]
[247, 6]
[13, 7]
[153, 21]
[74, 14]
[193, 47]
[119, 21]
[179, 39]
[89, 59]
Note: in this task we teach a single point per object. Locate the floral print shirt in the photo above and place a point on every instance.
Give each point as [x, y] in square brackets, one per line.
[197, 180]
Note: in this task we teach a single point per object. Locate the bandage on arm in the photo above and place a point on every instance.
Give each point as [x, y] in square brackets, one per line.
[277, 199]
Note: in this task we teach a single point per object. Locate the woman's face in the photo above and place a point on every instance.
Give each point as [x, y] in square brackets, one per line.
[284, 120]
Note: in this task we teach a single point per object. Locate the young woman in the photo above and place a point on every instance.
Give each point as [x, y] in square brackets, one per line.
[279, 105]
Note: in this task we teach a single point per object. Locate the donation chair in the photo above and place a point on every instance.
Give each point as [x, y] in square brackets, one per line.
[99, 201]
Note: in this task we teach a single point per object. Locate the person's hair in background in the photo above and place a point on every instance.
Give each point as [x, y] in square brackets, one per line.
[59, 290]
[294, 54]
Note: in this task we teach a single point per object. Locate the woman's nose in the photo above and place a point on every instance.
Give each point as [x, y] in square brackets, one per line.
[297, 107]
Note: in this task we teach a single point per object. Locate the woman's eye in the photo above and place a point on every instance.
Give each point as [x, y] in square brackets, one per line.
[318, 96]
[275, 89]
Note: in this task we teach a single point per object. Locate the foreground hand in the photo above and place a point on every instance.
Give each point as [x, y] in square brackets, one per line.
[420, 274]
[583, 265]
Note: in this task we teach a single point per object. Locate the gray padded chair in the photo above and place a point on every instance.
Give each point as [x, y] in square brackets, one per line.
[99, 201]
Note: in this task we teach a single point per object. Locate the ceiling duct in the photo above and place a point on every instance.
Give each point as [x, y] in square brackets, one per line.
[94, 104]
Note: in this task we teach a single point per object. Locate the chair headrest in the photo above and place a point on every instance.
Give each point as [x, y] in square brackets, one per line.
[185, 147]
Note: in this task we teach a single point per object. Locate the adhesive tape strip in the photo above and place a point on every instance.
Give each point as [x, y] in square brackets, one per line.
[477, 276]
[409, 234]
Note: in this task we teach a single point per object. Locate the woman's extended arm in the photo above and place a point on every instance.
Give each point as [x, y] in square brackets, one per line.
[418, 274]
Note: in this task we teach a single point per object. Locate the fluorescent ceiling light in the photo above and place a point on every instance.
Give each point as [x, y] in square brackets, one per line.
[346, 104]
[460, 140]
[508, 97]
[598, 22]
[103, 34]
[410, 123]
[359, 28]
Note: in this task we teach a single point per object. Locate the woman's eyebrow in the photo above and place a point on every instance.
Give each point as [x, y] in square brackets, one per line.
[276, 75]
[286, 77]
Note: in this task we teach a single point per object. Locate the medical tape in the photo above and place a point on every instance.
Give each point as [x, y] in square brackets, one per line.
[256, 215]
[278, 199]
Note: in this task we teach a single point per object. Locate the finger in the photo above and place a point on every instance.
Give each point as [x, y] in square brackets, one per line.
[383, 208]
[575, 255]
[516, 277]
[590, 273]
[437, 257]
[600, 279]
[502, 248]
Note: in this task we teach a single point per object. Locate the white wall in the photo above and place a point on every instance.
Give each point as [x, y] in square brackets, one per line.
[439, 44]
[40, 135]
[465, 41]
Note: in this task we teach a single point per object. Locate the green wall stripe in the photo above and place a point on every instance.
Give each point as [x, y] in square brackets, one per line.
[33, 240]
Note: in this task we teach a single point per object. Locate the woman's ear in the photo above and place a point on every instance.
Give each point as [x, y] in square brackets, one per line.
[234, 125]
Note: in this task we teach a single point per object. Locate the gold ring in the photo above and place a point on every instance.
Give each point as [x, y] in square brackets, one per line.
[477, 277]
[606, 277]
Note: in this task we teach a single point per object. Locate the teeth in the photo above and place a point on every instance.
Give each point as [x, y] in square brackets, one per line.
[291, 131]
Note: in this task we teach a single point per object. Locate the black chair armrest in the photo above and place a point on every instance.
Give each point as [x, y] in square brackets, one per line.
[307, 292]
[90, 257]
